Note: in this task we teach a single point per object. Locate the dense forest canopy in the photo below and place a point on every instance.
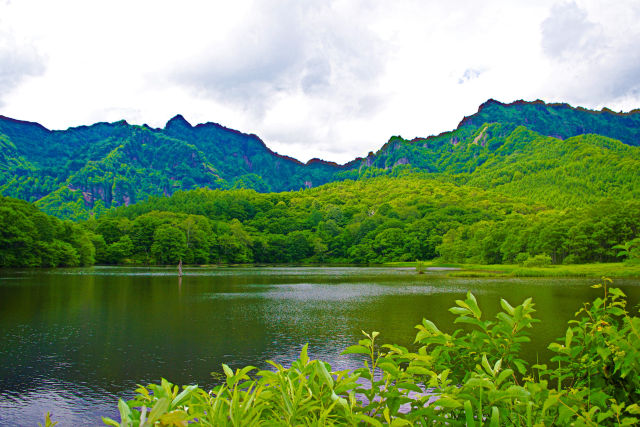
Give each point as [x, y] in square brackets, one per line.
[513, 182]
[409, 217]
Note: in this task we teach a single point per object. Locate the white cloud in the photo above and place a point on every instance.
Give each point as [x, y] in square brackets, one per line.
[19, 60]
[331, 79]
[568, 34]
[593, 52]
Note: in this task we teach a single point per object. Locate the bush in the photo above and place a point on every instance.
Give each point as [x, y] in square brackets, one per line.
[521, 258]
[541, 260]
[474, 378]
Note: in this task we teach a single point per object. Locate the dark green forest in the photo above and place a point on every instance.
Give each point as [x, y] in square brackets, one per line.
[513, 182]
[31, 238]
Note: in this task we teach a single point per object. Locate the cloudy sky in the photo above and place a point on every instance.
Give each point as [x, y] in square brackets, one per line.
[312, 78]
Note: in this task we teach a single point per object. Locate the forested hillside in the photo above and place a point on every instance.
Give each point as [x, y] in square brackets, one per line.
[519, 162]
[409, 217]
[566, 156]
[511, 183]
[84, 170]
[369, 221]
[559, 120]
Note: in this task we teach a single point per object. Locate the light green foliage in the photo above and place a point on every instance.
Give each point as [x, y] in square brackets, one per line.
[307, 393]
[540, 260]
[567, 236]
[47, 421]
[377, 220]
[473, 378]
[630, 250]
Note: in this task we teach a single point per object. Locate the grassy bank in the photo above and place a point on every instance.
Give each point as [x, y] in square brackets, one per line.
[513, 270]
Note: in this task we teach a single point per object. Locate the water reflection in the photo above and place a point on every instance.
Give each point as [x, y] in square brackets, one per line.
[73, 341]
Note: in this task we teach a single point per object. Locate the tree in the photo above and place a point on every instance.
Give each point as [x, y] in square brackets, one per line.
[169, 244]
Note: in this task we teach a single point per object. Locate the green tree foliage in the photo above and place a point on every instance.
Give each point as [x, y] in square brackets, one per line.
[589, 234]
[29, 238]
[169, 244]
[371, 221]
[406, 218]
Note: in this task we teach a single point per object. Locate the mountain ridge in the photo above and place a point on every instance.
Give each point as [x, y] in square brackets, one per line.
[86, 169]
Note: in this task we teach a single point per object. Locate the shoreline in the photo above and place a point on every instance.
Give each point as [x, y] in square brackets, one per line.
[597, 270]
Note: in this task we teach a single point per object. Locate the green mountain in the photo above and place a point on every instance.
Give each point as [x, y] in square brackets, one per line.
[551, 153]
[90, 168]
[559, 120]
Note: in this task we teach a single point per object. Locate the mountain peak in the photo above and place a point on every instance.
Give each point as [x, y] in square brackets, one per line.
[178, 121]
[489, 102]
[559, 120]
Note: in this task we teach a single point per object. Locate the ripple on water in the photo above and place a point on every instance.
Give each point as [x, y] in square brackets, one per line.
[69, 404]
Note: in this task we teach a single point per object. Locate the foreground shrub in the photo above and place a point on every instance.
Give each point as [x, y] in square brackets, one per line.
[469, 378]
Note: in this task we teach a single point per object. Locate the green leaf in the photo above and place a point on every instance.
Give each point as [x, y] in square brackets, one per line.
[616, 292]
[506, 306]
[486, 366]
[186, 392]
[497, 366]
[431, 327]
[634, 409]
[568, 337]
[468, 413]
[322, 372]
[495, 417]
[227, 370]
[158, 410]
[125, 411]
[447, 402]
[504, 375]
[459, 310]
[473, 305]
[107, 421]
[506, 319]
[304, 358]
[368, 419]
[356, 349]
[617, 311]
[174, 418]
[409, 386]
[418, 370]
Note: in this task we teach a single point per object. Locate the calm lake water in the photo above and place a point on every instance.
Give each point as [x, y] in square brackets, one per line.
[72, 341]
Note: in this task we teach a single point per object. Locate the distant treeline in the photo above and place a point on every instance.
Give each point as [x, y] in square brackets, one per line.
[30, 238]
[369, 221]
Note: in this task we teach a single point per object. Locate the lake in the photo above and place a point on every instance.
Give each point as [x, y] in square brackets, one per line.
[72, 341]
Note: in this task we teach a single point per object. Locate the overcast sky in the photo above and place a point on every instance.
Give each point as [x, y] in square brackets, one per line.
[328, 79]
